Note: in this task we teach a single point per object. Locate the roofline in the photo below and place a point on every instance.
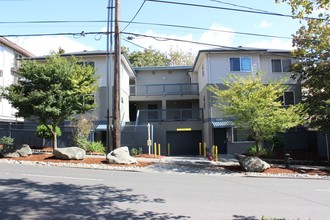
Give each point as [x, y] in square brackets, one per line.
[238, 49]
[14, 46]
[151, 68]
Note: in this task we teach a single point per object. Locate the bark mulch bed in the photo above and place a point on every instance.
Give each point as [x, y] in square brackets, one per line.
[44, 157]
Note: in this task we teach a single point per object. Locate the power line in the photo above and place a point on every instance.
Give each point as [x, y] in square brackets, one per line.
[231, 9]
[134, 15]
[239, 6]
[148, 23]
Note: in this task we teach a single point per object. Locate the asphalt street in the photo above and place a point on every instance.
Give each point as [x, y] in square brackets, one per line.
[47, 192]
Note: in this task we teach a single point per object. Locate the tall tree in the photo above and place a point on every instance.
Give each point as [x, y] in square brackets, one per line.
[53, 91]
[256, 106]
[148, 57]
[312, 44]
[180, 58]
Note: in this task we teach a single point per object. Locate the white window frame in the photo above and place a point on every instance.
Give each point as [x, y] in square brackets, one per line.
[240, 64]
[282, 66]
[85, 63]
[233, 137]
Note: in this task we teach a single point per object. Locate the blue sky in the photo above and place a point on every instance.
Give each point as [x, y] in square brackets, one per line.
[151, 12]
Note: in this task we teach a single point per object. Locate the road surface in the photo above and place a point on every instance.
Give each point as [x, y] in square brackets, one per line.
[46, 192]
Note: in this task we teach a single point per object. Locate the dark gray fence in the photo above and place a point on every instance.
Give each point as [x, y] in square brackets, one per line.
[134, 136]
[25, 134]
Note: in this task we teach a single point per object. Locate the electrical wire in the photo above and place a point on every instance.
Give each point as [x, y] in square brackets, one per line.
[231, 9]
[134, 15]
[239, 6]
[148, 23]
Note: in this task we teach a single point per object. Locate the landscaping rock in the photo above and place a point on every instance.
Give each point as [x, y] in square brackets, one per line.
[120, 156]
[11, 151]
[253, 164]
[69, 153]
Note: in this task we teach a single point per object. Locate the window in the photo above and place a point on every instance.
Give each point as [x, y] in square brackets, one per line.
[86, 63]
[287, 98]
[241, 135]
[281, 65]
[241, 64]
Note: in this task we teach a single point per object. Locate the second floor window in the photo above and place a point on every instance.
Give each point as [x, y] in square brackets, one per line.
[241, 64]
[87, 63]
[281, 65]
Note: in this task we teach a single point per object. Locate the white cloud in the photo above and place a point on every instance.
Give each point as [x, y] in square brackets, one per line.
[271, 44]
[265, 24]
[44, 45]
[209, 37]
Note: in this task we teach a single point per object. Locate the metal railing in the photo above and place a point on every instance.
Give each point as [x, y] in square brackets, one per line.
[158, 115]
[164, 89]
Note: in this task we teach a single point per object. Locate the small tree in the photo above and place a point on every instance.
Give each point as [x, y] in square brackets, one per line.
[255, 106]
[44, 132]
[81, 128]
[52, 91]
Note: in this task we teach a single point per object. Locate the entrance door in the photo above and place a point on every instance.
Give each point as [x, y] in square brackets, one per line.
[184, 142]
[220, 139]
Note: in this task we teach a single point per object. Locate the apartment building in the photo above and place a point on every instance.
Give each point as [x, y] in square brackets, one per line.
[10, 55]
[176, 100]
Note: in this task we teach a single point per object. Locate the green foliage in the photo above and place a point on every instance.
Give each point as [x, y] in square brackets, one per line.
[312, 44]
[6, 140]
[148, 57]
[52, 90]
[44, 131]
[152, 57]
[82, 143]
[81, 128]
[253, 151]
[255, 105]
[135, 151]
[96, 147]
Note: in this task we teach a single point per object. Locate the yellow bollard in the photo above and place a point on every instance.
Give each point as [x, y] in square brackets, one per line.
[200, 149]
[213, 150]
[168, 149]
[155, 149]
[216, 153]
[158, 149]
[204, 149]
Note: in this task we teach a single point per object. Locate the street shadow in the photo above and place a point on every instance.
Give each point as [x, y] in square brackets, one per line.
[242, 217]
[25, 199]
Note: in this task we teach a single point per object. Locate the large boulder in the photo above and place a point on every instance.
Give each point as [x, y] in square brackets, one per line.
[120, 156]
[69, 153]
[253, 164]
[11, 151]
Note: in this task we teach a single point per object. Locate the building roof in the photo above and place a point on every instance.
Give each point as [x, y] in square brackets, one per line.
[155, 68]
[15, 47]
[238, 50]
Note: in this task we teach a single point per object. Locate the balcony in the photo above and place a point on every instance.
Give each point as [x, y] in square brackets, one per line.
[164, 89]
[162, 115]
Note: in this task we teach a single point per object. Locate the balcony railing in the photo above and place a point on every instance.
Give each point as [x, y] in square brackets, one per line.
[158, 115]
[164, 89]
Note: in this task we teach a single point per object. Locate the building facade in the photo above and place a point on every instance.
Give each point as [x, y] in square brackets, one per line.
[10, 55]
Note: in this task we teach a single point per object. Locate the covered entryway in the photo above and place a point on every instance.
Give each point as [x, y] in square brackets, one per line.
[184, 142]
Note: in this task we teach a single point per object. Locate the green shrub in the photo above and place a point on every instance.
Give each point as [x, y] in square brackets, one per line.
[96, 147]
[6, 140]
[135, 151]
[43, 132]
[263, 152]
[82, 143]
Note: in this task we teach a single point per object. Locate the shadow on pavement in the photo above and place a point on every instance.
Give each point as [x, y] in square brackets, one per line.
[25, 199]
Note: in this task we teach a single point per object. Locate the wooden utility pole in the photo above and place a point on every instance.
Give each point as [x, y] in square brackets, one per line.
[116, 87]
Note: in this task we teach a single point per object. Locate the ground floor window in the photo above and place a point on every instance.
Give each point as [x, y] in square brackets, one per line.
[241, 135]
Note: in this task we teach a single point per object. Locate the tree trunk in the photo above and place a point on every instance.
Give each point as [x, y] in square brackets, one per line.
[257, 148]
[54, 139]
